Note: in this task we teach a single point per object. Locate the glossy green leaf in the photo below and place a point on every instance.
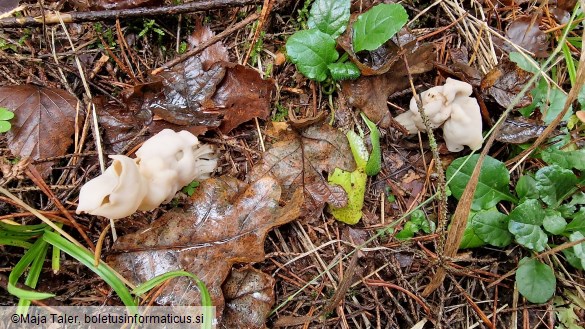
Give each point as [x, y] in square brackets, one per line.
[358, 149]
[526, 188]
[354, 184]
[408, 231]
[374, 164]
[492, 227]
[525, 221]
[376, 26]
[5, 114]
[329, 16]
[18, 270]
[492, 186]
[536, 281]
[554, 184]
[565, 159]
[578, 223]
[5, 126]
[578, 249]
[344, 71]
[159, 279]
[553, 222]
[312, 50]
[470, 238]
[572, 259]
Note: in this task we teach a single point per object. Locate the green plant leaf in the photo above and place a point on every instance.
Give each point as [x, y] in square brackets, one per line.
[525, 221]
[526, 63]
[553, 221]
[148, 285]
[27, 259]
[578, 249]
[578, 223]
[565, 159]
[572, 259]
[105, 272]
[354, 183]
[5, 114]
[358, 149]
[377, 25]
[408, 231]
[374, 164]
[492, 227]
[556, 101]
[5, 126]
[526, 188]
[312, 50]
[344, 71]
[536, 281]
[329, 16]
[470, 238]
[190, 188]
[554, 184]
[492, 186]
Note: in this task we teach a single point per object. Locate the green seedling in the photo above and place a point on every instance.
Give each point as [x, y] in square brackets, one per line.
[5, 116]
[547, 204]
[416, 223]
[314, 52]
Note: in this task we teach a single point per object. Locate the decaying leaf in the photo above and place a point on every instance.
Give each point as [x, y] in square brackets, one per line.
[504, 82]
[43, 124]
[520, 130]
[370, 93]
[8, 5]
[249, 297]
[299, 160]
[122, 4]
[203, 92]
[226, 222]
[242, 96]
[525, 32]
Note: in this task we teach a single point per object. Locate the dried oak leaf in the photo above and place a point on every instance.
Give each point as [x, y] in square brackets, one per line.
[225, 222]
[370, 93]
[43, 124]
[520, 130]
[504, 82]
[249, 297]
[300, 159]
[525, 32]
[242, 96]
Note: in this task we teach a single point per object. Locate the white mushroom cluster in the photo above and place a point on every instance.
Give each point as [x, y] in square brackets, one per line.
[164, 164]
[449, 105]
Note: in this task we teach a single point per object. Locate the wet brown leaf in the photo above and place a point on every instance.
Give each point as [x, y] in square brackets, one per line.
[43, 124]
[226, 222]
[249, 297]
[242, 96]
[8, 5]
[370, 93]
[300, 159]
[504, 82]
[519, 130]
[525, 32]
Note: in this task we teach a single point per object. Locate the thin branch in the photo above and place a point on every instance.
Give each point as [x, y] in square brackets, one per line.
[94, 16]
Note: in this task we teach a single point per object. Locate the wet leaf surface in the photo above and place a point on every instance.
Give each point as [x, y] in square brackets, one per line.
[504, 82]
[8, 5]
[300, 159]
[122, 4]
[370, 93]
[249, 297]
[525, 32]
[519, 130]
[43, 123]
[225, 222]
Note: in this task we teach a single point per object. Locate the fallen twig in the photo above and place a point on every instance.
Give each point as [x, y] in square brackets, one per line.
[94, 16]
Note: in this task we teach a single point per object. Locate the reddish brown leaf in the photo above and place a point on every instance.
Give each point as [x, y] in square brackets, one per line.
[525, 32]
[370, 93]
[226, 222]
[249, 297]
[242, 96]
[299, 160]
[504, 82]
[43, 124]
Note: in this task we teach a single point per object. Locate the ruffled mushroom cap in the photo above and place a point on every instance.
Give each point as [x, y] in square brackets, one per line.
[116, 193]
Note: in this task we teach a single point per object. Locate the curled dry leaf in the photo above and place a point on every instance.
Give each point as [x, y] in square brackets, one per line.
[43, 124]
[225, 222]
[504, 82]
[370, 93]
[298, 160]
[525, 32]
[249, 297]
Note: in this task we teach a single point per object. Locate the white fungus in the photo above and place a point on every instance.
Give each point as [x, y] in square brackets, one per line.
[165, 163]
[449, 105]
